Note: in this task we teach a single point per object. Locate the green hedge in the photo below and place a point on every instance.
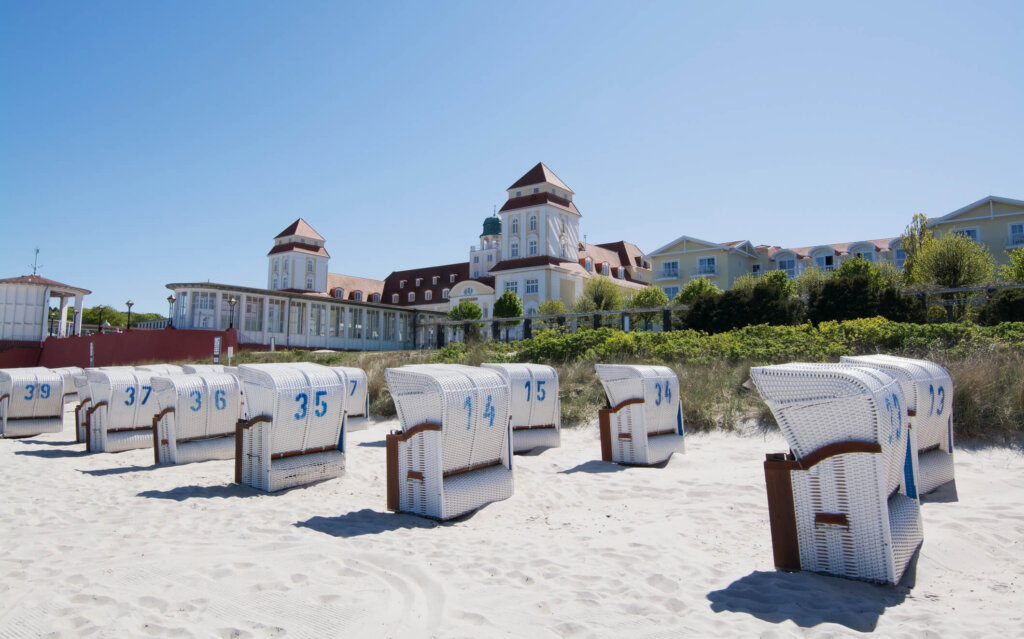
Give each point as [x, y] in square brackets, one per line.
[764, 343]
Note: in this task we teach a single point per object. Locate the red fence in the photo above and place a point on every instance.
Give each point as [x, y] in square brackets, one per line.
[112, 349]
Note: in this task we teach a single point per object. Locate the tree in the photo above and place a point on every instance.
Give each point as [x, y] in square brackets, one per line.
[583, 304]
[811, 281]
[914, 238]
[466, 311]
[953, 261]
[1014, 271]
[604, 293]
[551, 307]
[649, 297]
[508, 305]
[779, 279]
[700, 286]
[769, 302]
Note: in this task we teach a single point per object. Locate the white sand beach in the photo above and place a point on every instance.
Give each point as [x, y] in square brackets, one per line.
[108, 545]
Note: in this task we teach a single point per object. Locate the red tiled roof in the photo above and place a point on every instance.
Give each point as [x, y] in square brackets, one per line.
[629, 254]
[300, 227]
[350, 284]
[299, 246]
[392, 283]
[536, 199]
[528, 262]
[537, 175]
[36, 280]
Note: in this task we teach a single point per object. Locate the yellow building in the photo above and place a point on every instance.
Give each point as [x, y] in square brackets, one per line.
[996, 222]
[687, 258]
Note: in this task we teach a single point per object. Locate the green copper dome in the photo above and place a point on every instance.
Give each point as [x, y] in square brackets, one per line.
[492, 226]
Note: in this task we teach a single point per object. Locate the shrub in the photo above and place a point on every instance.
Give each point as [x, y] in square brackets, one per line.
[1006, 305]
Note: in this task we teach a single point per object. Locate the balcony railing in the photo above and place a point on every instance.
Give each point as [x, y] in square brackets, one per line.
[668, 274]
[704, 271]
[1015, 240]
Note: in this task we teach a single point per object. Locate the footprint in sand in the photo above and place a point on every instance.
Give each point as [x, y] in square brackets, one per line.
[662, 583]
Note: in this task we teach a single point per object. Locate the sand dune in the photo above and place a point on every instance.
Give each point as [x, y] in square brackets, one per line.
[109, 545]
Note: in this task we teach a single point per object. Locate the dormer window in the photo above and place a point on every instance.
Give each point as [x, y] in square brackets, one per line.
[412, 296]
[427, 295]
[401, 284]
[358, 296]
[434, 279]
[553, 192]
[375, 297]
[445, 293]
[339, 293]
[419, 280]
[451, 278]
[536, 190]
[588, 264]
[622, 272]
[604, 268]
[394, 298]
[519, 194]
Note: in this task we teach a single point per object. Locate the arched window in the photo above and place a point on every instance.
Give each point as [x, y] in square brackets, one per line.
[513, 250]
[515, 225]
[309, 265]
[531, 248]
[622, 272]
[444, 293]
[604, 268]
[412, 296]
[428, 295]
[375, 297]
[469, 290]
[533, 222]
[339, 293]
[309, 283]
[589, 264]
[358, 296]
[394, 298]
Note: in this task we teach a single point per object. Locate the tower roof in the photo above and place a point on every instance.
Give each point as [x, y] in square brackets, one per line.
[538, 175]
[299, 227]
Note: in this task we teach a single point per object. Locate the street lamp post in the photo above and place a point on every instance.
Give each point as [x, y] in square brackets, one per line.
[170, 309]
[129, 304]
[231, 317]
[99, 322]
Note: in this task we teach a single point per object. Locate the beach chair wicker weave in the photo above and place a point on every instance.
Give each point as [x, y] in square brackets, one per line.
[192, 369]
[453, 455]
[31, 402]
[197, 419]
[928, 390]
[84, 395]
[643, 423]
[120, 414]
[293, 429]
[843, 501]
[161, 369]
[534, 406]
[69, 373]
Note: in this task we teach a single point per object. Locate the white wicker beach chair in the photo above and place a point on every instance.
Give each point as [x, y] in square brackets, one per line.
[643, 423]
[31, 402]
[534, 406]
[69, 373]
[928, 390]
[192, 369]
[198, 417]
[843, 501]
[161, 369]
[293, 432]
[453, 455]
[84, 392]
[120, 415]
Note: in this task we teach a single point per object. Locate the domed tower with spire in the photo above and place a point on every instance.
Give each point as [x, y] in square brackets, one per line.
[488, 253]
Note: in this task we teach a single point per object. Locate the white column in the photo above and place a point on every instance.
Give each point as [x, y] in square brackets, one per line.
[62, 323]
[46, 315]
[266, 320]
[309, 318]
[78, 315]
[217, 311]
[241, 316]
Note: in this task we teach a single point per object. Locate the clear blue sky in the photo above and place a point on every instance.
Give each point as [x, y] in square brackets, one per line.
[143, 143]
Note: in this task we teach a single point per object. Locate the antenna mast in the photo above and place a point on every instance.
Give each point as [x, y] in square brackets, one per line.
[35, 263]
